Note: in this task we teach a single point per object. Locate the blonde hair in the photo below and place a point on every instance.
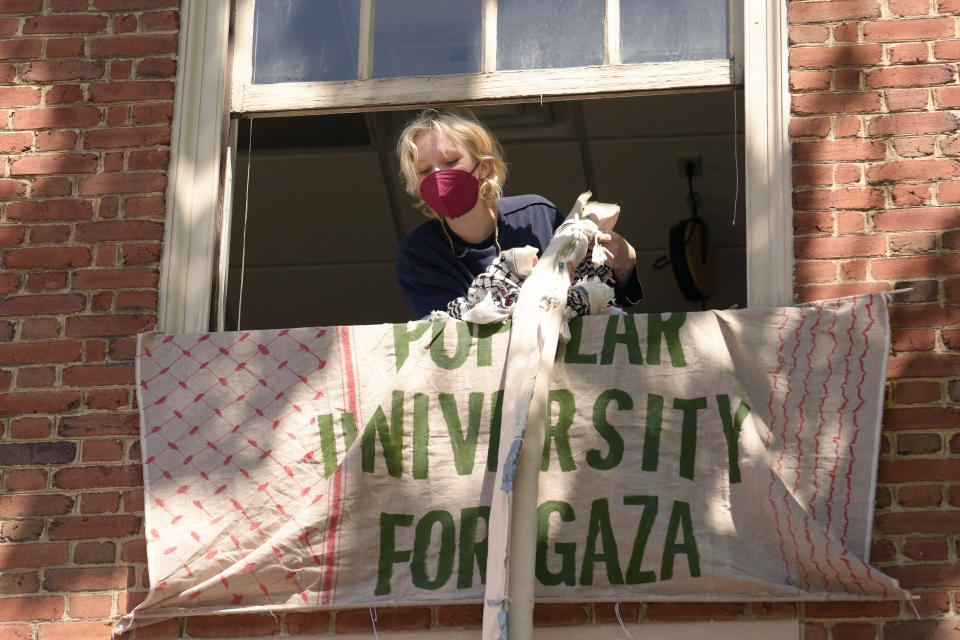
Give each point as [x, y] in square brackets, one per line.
[475, 138]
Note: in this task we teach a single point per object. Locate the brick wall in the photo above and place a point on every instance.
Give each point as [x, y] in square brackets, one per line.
[86, 99]
[86, 90]
[876, 194]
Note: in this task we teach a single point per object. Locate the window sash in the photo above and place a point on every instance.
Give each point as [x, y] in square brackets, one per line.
[489, 85]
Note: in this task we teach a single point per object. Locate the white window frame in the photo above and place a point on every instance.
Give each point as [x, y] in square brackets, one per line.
[199, 174]
[490, 84]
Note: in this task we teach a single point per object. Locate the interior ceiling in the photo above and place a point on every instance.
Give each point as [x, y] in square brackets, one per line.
[326, 209]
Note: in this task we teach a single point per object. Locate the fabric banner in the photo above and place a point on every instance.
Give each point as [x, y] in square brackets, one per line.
[717, 455]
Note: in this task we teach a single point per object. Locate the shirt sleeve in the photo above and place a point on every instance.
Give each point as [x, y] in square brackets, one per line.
[629, 292]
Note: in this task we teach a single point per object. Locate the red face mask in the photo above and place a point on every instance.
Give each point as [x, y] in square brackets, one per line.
[451, 192]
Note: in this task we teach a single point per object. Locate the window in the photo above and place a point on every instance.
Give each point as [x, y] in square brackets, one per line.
[201, 175]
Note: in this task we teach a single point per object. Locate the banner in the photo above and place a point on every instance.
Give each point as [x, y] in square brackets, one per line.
[717, 455]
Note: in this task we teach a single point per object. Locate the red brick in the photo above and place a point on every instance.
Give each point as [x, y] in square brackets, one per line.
[109, 399]
[89, 579]
[99, 503]
[819, 103]
[909, 7]
[148, 160]
[813, 174]
[98, 526]
[108, 325]
[834, 609]
[911, 76]
[120, 69]
[56, 117]
[672, 611]
[809, 127]
[11, 235]
[40, 352]
[65, 47]
[10, 189]
[405, 619]
[50, 210]
[48, 187]
[73, 629]
[925, 576]
[47, 257]
[156, 68]
[914, 29]
[30, 428]
[847, 32]
[33, 556]
[834, 150]
[56, 24]
[41, 304]
[121, 183]
[57, 140]
[29, 505]
[31, 608]
[847, 126]
[35, 377]
[907, 99]
[133, 46]
[9, 282]
[947, 50]
[46, 280]
[931, 218]
[119, 230]
[920, 496]
[98, 375]
[130, 91]
[90, 606]
[839, 247]
[60, 70]
[909, 53]
[127, 137]
[809, 80]
[38, 402]
[135, 5]
[26, 480]
[95, 553]
[822, 292]
[54, 163]
[22, 48]
[841, 56]
[15, 142]
[922, 169]
[166, 630]
[313, 622]
[100, 424]
[947, 97]
[912, 195]
[806, 272]
[833, 10]
[246, 624]
[115, 279]
[40, 328]
[914, 146]
[466, 616]
[843, 198]
[917, 392]
[912, 123]
[19, 96]
[137, 300]
[846, 79]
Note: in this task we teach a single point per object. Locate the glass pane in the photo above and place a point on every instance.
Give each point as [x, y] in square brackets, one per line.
[305, 40]
[426, 37]
[668, 30]
[548, 34]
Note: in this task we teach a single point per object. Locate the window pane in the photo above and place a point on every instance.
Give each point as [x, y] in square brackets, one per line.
[426, 37]
[669, 30]
[547, 34]
[305, 40]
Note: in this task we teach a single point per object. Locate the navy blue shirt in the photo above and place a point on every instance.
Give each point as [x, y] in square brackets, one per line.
[430, 274]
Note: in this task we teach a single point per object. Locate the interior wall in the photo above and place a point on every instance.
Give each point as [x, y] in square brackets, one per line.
[317, 230]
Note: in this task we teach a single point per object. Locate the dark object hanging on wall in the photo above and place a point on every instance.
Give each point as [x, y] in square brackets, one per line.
[689, 254]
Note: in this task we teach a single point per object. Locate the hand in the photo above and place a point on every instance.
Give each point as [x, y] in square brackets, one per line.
[624, 257]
